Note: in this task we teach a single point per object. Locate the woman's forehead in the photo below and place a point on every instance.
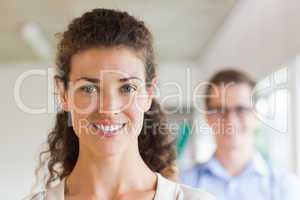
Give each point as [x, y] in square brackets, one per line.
[104, 75]
[120, 62]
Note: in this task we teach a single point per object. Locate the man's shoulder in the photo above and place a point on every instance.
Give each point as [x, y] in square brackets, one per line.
[286, 184]
[284, 176]
[195, 168]
[167, 189]
[189, 176]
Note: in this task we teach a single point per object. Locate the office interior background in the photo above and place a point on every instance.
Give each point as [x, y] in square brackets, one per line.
[193, 40]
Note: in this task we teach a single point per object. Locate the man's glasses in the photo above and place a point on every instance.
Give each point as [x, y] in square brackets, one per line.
[224, 111]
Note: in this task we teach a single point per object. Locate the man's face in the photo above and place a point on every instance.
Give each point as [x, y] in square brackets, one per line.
[230, 115]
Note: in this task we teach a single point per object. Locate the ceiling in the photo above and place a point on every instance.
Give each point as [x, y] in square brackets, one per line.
[181, 29]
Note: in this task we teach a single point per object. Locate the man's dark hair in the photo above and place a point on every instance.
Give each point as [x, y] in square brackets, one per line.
[228, 76]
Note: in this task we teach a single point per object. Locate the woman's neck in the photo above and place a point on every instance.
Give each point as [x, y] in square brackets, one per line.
[111, 176]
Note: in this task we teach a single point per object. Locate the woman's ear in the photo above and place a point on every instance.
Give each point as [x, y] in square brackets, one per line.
[62, 93]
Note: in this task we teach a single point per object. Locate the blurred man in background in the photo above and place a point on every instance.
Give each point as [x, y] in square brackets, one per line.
[237, 171]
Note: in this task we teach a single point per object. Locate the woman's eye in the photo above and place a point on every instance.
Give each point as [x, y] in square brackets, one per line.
[128, 88]
[89, 89]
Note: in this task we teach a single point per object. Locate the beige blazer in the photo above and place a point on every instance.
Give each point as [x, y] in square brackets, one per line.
[166, 190]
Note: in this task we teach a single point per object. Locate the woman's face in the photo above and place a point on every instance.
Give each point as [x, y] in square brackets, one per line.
[107, 98]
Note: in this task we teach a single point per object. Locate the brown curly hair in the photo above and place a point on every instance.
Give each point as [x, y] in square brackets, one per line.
[105, 28]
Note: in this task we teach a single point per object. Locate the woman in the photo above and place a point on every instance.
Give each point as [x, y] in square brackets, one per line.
[108, 142]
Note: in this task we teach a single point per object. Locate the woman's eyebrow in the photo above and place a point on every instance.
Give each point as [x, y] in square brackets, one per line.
[130, 78]
[93, 80]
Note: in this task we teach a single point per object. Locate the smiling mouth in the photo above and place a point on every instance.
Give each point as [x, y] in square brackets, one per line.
[111, 130]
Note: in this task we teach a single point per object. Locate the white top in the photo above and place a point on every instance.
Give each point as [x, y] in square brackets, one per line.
[166, 190]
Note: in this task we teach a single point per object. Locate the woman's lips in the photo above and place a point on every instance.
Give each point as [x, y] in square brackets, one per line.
[108, 130]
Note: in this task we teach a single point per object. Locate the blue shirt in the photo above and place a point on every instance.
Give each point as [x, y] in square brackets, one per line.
[258, 181]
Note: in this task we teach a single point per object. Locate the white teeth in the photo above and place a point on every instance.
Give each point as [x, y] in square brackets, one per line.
[108, 128]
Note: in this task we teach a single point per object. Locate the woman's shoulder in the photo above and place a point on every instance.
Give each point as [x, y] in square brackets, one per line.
[36, 196]
[191, 193]
[54, 193]
[168, 189]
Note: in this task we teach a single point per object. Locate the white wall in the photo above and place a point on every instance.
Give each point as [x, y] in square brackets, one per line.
[21, 134]
[258, 36]
[177, 81]
[294, 82]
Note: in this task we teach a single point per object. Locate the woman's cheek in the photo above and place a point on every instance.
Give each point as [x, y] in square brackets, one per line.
[77, 121]
[142, 102]
[81, 110]
[84, 104]
[136, 118]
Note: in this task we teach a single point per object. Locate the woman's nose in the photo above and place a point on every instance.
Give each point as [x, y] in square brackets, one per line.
[110, 103]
